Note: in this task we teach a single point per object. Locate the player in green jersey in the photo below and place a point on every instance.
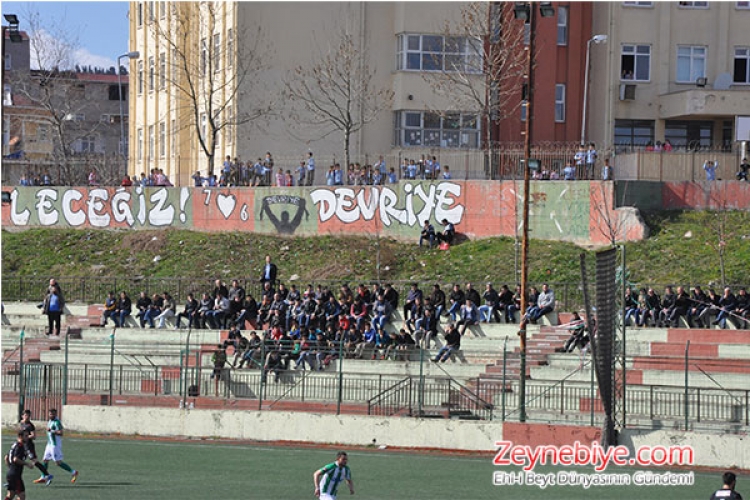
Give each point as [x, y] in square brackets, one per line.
[53, 451]
[328, 478]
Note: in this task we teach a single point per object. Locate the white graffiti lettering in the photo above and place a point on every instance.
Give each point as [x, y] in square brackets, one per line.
[348, 206]
[18, 219]
[121, 207]
[96, 205]
[45, 209]
[162, 214]
[75, 218]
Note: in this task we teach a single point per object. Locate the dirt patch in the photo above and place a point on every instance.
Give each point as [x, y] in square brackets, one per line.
[139, 242]
[332, 271]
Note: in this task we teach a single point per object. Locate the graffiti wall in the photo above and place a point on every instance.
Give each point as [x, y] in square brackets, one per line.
[571, 211]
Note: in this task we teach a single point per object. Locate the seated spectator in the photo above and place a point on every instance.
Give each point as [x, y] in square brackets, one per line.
[506, 304]
[448, 233]
[427, 328]
[438, 300]
[332, 312]
[452, 344]
[413, 294]
[405, 345]
[358, 312]
[382, 341]
[681, 306]
[457, 299]
[743, 174]
[205, 305]
[215, 317]
[648, 308]
[154, 310]
[490, 307]
[698, 302]
[472, 295]
[578, 335]
[631, 306]
[274, 363]
[168, 310]
[545, 304]
[252, 352]
[381, 313]
[110, 304]
[742, 310]
[727, 304]
[532, 306]
[469, 316]
[416, 315]
[190, 312]
[427, 234]
[667, 307]
[711, 309]
[123, 309]
[143, 305]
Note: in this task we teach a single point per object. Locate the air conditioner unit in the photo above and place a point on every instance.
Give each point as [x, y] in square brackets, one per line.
[627, 92]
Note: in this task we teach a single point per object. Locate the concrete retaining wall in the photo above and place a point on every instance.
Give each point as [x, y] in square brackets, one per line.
[711, 450]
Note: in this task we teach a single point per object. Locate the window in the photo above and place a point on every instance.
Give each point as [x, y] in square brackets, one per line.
[693, 5]
[151, 11]
[204, 125]
[150, 74]
[217, 52]
[524, 110]
[110, 119]
[438, 53]
[162, 71]
[638, 4]
[139, 14]
[635, 63]
[741, 65]
[634, 132]
[8, 65]
[446, 130]
[42, 133]
[230, 125]
[743, 5]
[230, 47]
[174, 65]
[173, 132]
[139, 145]
[560, 102]
[562, 26]
[526, 33]
[689, 133]
[162, 139]
[204, 56]
[140, 77]
[162, 9]
[691, 63]
[85, 144]
[7, 95]
[151, 140]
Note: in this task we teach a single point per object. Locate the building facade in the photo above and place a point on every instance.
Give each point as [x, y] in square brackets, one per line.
[671, 71]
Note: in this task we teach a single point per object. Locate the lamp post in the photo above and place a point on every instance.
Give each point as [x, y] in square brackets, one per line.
[596, 39]
[527, 12]
[129, 55]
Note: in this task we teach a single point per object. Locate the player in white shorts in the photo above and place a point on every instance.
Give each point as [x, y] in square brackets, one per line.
[328, 478]
[53, 451]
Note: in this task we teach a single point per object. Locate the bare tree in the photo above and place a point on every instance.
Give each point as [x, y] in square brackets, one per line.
[213, 86]
[336, 92]
[65, 103]
[483, 64]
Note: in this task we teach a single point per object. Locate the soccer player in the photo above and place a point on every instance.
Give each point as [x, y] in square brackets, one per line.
[53, 451]
[15, 462]
[727, 490]
[327, 479]
[28, 427]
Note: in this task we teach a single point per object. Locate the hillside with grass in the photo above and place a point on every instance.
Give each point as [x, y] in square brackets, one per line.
[683, 248]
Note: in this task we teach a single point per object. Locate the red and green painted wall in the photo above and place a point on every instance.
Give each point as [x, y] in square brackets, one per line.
[572, 211]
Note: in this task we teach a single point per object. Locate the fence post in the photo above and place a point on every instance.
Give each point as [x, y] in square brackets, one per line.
[591, 390]
[262, 374]
[111, 363]
[65, 371]
[502, 388]
[420, 395]
[21, 385]
[687, 354]
[341, 374]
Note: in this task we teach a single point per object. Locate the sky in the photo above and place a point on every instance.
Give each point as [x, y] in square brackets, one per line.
[100, 29]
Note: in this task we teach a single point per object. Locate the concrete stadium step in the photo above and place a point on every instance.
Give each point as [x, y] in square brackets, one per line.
[709, 336]
[104, 358]
[710, 365]
[31, 309]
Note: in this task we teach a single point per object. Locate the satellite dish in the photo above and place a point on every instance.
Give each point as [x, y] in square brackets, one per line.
[723, 81]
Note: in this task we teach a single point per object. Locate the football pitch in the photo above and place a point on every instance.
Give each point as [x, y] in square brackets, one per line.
[117, 469]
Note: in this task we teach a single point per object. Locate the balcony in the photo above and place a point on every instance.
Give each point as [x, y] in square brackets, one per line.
[702, 102]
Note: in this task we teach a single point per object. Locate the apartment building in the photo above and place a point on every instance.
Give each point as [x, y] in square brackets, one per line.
[670, 71]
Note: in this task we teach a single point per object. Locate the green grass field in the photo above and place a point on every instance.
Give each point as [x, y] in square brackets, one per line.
[143, 469]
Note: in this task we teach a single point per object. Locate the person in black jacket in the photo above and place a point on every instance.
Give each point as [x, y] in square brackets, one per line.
[190, 312]
[269, 271]
[452, 344]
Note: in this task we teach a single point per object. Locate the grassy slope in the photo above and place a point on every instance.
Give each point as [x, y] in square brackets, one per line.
[669, 256]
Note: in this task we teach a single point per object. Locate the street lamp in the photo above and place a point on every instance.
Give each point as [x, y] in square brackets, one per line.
[129, 55]
[595, 39]
[527, 12]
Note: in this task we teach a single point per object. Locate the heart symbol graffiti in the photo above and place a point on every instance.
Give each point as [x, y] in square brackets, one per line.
[226, 204]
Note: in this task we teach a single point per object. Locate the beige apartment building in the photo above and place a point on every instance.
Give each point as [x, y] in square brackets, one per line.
[670, 71]
[401, 40]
